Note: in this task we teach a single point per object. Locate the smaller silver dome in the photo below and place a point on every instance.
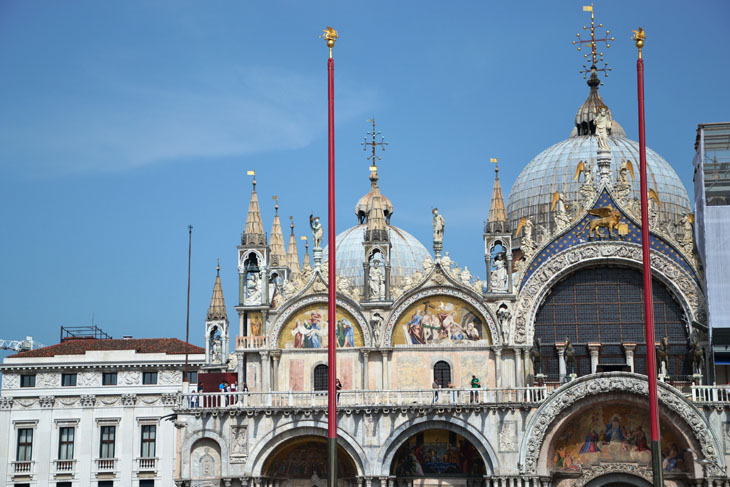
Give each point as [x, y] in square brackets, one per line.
[406, 256]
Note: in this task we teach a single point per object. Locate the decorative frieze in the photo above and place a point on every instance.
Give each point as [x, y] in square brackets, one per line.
[46, 401]
[129, 399]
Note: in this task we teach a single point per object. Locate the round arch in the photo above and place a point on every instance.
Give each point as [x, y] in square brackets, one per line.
[619, 480]
[539, 284]
[404, 432]
[545, 422]
[207, 434]
[271, 442]
[406, 301]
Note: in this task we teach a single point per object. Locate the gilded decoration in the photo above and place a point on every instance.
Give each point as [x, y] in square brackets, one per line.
[303, 325]
[614, 433]
[670, 400]
[606, 222]
[255, 325]
[440, 316]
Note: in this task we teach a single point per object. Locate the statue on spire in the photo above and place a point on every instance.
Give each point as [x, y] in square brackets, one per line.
[317, 230]
[603, 128]
[438, 232]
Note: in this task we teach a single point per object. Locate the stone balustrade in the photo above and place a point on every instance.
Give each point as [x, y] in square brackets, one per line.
[715, 395]
[369, 398]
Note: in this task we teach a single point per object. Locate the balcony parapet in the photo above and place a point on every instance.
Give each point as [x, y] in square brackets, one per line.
[251, 342]
[64, 467]
[716, 396]
[369, 399]
[146, 464]
[23, 469]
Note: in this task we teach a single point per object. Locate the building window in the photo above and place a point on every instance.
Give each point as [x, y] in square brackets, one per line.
[149, 435]
[27, 380]
[68, 380]
[442, 373]
[66, 443]
[108, 434]
[320, 377]
[149, 377]
[105, 483]
[193, 377]
[25, 445]
[64, 484]
[109, 378]
[147, 483]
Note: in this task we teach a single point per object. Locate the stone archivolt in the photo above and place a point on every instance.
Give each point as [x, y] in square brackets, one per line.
[540, 282]
[573, 392]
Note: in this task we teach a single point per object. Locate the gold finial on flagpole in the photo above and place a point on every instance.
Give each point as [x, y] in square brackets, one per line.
[331, 36]
[639, 37]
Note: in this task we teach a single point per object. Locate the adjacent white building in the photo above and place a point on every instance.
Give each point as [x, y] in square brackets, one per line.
[93, 412]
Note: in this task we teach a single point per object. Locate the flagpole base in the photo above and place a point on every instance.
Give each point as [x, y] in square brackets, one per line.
[656, 464]
[331, 462]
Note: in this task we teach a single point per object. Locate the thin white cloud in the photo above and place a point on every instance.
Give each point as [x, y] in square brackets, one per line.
[217, 114]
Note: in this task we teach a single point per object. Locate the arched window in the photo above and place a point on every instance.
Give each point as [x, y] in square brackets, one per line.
[605, 305]
[442, 373]
[320, 377]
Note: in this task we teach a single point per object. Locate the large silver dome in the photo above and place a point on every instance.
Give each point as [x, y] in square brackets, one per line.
[554, 169]
[406, 257]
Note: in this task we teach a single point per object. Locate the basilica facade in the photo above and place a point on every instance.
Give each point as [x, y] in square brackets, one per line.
[534, 377]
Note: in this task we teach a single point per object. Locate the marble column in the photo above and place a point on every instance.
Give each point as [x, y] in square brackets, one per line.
[561, 360]
[518, 367]
[629, 349]
[594, 349]
[365, 375]
[275, 356]
[498, 366]
[386, 369]
[265, 372]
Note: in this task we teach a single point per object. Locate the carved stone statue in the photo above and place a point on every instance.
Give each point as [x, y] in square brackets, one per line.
[438, 226]
[498, 278]
[504, 316]
[562, 219]
[253, 288]
[685, 236]
[465, 276]
[662, 355]
[317, 231]
[536, 356]
[569, 357]
[603, 127]
[216, 355]
[376, 323]
[376, 281]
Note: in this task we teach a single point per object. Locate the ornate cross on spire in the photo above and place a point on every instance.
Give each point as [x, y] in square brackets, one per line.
[496, 165]
[373, 145]
[595, 55]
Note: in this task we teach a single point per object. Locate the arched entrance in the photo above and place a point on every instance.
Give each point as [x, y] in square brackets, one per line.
[618, 480]
[305, 458]
[437, 454]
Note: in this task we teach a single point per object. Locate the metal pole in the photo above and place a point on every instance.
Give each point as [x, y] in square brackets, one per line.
[331, 36]
[651, 366]
[187, 318]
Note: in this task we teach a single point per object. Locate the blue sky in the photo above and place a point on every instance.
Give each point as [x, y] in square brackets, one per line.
[123, 122]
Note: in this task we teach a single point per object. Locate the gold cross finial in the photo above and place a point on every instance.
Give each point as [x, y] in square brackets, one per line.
[596, 57]
[252, 173]
[373, 144]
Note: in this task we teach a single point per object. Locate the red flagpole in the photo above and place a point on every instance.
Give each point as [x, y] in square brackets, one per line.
[651, 366]
[331, 36]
